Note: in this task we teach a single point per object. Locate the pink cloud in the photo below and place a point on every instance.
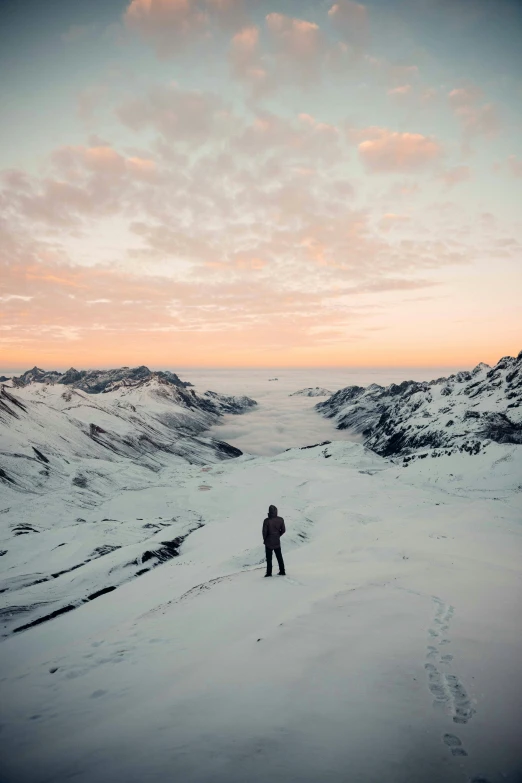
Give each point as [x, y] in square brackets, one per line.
[356, 135]
[246, 62]
[298, 45]
[391, 219]
[515, 166]
[294, 51]
[184, 115]
[429, 95]
[351, 20]
[477, 119]
[143, 168]
[169, 25]
[296, 38]
[392, 151]
[102, 160]
[166, 24]
[464, 96]
[400, 92]
[455, 175]
[394, 74]
[84, 182]
[304, 139]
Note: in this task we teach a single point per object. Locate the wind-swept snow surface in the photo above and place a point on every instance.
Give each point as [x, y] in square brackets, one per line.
[76, 467]
[392, 652]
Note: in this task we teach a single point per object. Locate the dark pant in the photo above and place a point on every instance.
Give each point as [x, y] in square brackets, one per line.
[279, 560]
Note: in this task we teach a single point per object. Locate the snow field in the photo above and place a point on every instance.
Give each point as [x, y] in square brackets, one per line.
[389, 653]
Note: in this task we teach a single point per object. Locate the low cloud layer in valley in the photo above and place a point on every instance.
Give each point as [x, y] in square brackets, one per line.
[281, 421]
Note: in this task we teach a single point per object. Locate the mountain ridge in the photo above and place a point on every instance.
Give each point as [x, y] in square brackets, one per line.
[95, 381]
[465, 411]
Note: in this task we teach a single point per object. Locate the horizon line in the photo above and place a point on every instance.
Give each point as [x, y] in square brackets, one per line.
[157, 368]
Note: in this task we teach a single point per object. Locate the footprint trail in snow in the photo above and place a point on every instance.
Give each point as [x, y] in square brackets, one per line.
[447, 689]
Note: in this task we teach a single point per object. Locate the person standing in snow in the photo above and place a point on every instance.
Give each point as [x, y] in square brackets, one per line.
[273, 529]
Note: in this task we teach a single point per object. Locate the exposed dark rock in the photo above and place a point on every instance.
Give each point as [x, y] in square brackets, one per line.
[155, 557]
[311, 391]
[40, 456]
[105, 549]
[500, 428]
[7, 401]
[98, 381]
[226, 448]
[103, 591]
[315, 445]
[44, 619]
[403, 418]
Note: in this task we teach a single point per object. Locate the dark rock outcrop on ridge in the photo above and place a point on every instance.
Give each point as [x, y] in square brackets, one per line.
[465, 411]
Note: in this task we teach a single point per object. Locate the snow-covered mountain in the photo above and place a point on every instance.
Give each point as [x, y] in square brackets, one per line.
[131, 413]
[398, 619]
[72, 442]
[465, 411]
[311, 391]
[95, 381]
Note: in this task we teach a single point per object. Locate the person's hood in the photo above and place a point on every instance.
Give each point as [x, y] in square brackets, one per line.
[272, 511]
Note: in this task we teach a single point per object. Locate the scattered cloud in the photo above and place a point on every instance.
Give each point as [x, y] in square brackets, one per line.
[403, 95]
[84, 182]
[249, 65]
[286, 50]
[404, 89]
[386, 151]
[464, 96]
[303, 139]
[515, 165]
[172, 25]
[390, 220]
[15, 297]
[299, 47]
[476, 118]
[352, 22]
[190, 116]
[456, 175]
[390, 73]
[480, 120]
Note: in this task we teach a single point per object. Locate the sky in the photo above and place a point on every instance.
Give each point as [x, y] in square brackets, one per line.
[240, 183]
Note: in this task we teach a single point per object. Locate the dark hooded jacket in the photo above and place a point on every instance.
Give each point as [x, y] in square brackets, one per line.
[273, 529]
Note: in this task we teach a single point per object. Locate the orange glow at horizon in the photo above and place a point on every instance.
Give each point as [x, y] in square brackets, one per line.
[144, 351]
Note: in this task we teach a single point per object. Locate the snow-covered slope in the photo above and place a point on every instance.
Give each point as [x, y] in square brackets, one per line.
[312, 391]
[65, 452]
[50, 418]
[391, 652]
[465, 411]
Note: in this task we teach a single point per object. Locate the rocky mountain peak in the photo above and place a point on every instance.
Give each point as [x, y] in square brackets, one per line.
[466, 410]
[99, 381]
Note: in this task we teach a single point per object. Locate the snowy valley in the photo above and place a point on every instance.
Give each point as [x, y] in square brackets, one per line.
[142, 643]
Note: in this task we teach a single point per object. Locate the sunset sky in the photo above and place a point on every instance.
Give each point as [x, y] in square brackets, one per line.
[228, 183]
